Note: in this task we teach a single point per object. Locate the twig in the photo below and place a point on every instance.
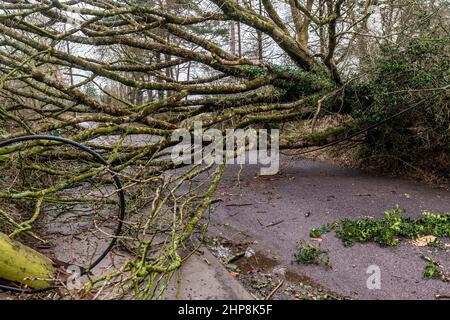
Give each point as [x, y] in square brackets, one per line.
[239, 205]
[274, 290]
[275, 224]
[236, 257]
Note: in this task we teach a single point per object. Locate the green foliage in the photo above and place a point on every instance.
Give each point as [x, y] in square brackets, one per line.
[383, 231]
[318, 232]
[434, 270]
[403, 76]
[311, 254]
[431, 270]
[297, 82]
[436, 244]
[389, 230]
[435, 224]
[254, 72]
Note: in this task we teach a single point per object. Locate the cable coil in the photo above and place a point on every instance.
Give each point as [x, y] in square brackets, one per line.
[99, 159]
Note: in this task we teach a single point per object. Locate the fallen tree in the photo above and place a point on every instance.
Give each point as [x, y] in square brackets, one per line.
[123, 76]
[22, 264]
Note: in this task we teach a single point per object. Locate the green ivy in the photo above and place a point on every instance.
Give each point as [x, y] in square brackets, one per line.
[297, 82]
[389, 230]
[311, 254]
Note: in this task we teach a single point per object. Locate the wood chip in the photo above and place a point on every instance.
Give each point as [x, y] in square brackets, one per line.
[424, 241]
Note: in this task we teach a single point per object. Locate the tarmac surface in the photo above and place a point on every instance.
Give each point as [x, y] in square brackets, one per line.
[270, 214]
[275, 212]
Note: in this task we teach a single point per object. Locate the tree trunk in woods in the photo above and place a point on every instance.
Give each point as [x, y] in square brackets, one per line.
[22, 264]
[260, 53]
[233, 38]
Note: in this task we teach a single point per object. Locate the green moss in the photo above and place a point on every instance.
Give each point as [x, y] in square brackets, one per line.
[325, 135]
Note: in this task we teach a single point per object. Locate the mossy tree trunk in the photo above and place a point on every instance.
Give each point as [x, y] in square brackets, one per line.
[24, 265]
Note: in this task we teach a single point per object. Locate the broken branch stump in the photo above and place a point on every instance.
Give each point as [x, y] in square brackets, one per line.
[24, 265]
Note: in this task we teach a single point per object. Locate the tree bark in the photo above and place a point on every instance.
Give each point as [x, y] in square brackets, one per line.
[24, 265]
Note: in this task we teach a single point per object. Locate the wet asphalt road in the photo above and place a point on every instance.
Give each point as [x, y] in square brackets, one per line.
[277, 211]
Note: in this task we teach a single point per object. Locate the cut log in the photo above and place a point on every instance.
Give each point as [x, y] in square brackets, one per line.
[24, 265]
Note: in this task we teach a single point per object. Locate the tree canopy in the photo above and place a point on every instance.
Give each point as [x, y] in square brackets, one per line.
[120, 72]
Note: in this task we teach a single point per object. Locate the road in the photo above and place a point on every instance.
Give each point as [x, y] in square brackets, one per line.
[277, 211]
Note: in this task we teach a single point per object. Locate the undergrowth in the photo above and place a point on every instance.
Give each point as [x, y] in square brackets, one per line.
[389, 230]
[434, 270]
[311, 254]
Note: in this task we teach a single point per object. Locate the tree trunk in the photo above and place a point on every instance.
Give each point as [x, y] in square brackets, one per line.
[22, 264]
[233, 37]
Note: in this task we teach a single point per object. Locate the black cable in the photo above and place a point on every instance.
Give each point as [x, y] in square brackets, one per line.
[120, 193]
